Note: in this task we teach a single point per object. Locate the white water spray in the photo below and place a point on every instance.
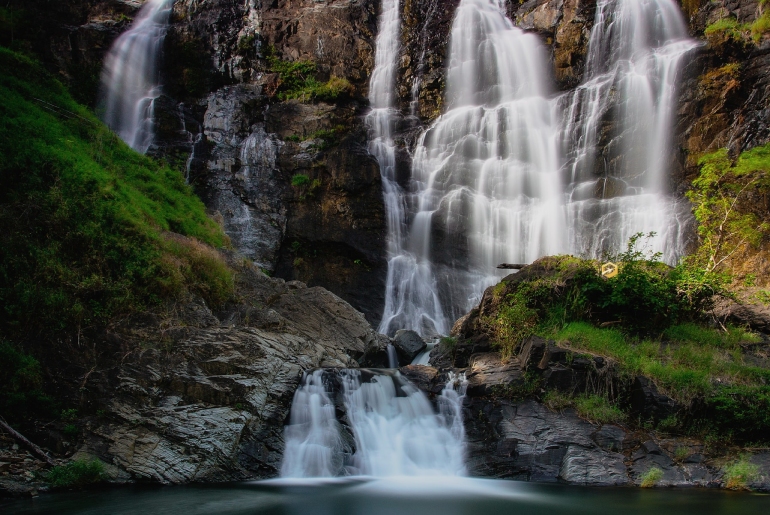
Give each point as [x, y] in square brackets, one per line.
[485, 176]
[392, 429]
[509, 174]
[635, 52]
[130, 78]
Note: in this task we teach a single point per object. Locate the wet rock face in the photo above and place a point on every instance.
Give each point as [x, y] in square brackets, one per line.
[291, 181]
[206, 398]
[71, 37]
[241, 180]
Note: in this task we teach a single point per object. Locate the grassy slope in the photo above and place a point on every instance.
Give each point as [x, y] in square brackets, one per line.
[707, 370]
[85, 222]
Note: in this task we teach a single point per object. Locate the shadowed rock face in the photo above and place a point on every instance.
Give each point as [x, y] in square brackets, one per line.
[201, 396]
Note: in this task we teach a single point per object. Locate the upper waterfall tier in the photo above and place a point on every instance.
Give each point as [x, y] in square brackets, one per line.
[130, 79]
[511, 172]
[486, 185]
[617, 130]
[389, 427]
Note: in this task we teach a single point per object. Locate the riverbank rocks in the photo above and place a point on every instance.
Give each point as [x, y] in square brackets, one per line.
[511, 435]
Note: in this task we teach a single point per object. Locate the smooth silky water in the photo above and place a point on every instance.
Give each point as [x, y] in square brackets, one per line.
[393, 496]
[131, 81]
[511, 171]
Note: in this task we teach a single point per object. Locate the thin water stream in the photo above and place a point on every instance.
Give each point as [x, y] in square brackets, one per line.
[130, 80]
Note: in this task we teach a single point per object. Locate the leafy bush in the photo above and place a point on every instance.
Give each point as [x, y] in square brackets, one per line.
[85, 216]
[740, 473]
[76, 474]
[300, 180]
[651, 477]
[724, 229]
[298, 81]
[739, 411]
[514, 321]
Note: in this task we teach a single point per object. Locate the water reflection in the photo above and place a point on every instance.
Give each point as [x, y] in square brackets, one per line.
[402, 496]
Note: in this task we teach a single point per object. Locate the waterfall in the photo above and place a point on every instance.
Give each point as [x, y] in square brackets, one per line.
[486, 185]
[389, 427]
[511, 172]
[130, 79]
[635, 51]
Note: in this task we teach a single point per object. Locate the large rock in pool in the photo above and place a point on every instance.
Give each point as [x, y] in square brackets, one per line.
[408, 345]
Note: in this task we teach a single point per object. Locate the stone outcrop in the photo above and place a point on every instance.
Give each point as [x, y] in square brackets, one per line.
[408, 345]
[511, 435]
[329, 230]
[200, 395]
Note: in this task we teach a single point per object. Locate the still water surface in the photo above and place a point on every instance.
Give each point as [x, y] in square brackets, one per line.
[402, 496]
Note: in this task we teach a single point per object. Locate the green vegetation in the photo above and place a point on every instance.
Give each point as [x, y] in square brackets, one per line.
[651, 477]
[592, 407]
[300, 180]
[91, 230]
[727, 29]
[598, 409]
[649, 320]
[740, 473]
[723, 186]
[21, 382]
[76, 474]
[298, 81]
[645, 298]
[307, 187]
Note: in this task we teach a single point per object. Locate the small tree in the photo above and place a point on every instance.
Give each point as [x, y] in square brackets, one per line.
[724, 227]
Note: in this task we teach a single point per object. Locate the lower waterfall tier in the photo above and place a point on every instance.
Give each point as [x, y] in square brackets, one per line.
[368, 422]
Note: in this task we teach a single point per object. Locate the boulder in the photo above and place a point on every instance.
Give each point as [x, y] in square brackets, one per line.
[408, 345]
[532, 351]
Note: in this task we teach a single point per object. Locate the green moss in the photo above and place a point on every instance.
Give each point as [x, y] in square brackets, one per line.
[760, 27]
[300, 180]
[76, 474]
[86, 217]
[514, 321]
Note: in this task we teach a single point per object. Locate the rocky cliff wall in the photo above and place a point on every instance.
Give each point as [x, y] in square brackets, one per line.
[195, 394]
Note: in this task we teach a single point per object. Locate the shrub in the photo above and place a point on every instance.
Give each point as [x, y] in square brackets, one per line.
[21, 383]
[514, 321]
[557, 401]
[76, 474]
[740, 473]
[300, 180]
[298, 81]
[597, 409]
[651, 477]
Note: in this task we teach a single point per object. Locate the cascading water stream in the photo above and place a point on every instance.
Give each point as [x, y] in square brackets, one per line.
[485, 175]
[389, 427]
[404, 269]
[509, 174]
[130, 79]
[635, 52]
